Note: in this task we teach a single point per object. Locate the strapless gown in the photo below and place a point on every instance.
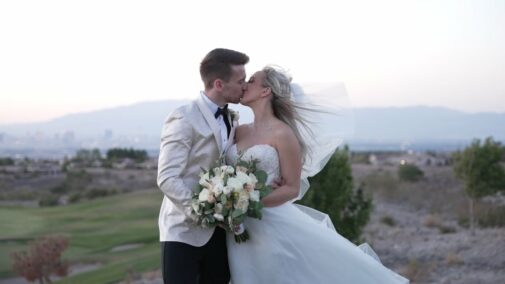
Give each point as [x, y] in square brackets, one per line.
[289, 246]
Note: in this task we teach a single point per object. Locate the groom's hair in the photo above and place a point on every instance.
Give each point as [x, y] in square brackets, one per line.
[217, 65]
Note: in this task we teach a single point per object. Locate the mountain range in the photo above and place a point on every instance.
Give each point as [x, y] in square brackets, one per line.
[416, 124]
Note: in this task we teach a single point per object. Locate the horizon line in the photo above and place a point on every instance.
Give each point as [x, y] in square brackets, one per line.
[185, 100]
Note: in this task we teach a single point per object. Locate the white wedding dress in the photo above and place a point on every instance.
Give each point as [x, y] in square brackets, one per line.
[289, 246]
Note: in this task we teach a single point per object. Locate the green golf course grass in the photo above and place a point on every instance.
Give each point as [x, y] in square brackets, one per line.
[93, 228]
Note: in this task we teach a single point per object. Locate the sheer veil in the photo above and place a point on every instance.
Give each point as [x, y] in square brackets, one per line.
[329, 122]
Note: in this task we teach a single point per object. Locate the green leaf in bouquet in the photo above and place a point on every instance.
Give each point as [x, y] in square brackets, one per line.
[265, 191]
[242, 163]
[225, 211]
[236, 213]
[197, 189]
[228, 204]
[255, 214]
[261, 176]
[211, 173]
[207, 206]
[251, 212]
[253, 165]
[211, 219]
[254, 209]
[239, 219]
[223, 198]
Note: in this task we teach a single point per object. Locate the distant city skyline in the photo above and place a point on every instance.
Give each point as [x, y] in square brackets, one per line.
[63, 57]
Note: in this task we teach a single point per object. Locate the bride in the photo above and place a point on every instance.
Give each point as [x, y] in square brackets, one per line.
[287, 245]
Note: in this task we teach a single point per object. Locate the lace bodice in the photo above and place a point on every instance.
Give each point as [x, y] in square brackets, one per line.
[266, 154]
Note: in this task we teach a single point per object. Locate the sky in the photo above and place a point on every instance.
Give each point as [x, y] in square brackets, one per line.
[61, 57]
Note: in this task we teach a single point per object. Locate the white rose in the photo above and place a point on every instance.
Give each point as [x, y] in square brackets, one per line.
[230, 170]
[243, 177]
[254, 195]
[217, 182]
[227, 189]
[218, 189]
[253, 178]
[204, 180]
[204, 195]
[243, 201]
[243, 195]
[242, 205]
[241, 169]
[218, 217]
[224, 168]
[235, 183]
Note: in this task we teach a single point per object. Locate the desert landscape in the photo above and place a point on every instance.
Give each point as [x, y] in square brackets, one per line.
[418, 228]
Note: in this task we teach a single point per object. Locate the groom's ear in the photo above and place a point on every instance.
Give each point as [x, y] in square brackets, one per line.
[218, 84]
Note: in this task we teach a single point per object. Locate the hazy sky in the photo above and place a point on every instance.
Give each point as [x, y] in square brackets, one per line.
[59, 57]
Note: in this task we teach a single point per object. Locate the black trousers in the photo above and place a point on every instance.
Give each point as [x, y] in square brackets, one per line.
[185, 264]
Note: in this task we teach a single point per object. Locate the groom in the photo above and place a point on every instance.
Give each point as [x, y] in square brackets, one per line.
[193, 137]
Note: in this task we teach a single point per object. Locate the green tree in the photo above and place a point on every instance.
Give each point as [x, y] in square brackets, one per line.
[87, 157]
[332, 191]
[478, 165]
[6, 162]
[121, 153]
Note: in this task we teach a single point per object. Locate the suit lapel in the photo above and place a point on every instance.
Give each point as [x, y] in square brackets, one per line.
[211, 121]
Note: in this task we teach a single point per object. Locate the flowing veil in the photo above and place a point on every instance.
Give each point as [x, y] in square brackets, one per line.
[329, 123]
[327, 111]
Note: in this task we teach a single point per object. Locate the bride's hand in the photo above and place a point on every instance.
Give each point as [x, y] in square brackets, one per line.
[278, 182]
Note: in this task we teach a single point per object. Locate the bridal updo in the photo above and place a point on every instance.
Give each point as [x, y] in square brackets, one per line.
[284, 107]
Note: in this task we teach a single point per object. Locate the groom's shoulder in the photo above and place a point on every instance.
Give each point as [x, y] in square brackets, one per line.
[183, 111]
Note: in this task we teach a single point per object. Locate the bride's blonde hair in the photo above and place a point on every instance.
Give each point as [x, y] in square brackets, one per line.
[284, 108]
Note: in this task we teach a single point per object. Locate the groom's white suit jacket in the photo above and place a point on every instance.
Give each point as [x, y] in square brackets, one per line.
[190, 140]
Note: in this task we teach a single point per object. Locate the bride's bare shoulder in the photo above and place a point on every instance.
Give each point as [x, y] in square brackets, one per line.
[282, 131]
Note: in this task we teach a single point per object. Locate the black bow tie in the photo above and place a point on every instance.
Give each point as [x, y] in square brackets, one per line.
[222, 111]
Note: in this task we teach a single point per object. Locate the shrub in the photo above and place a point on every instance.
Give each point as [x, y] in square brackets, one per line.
[446, 229]
[410, 173]
[96, 192]
[42, 259]
[99, 192]
[332, 192]
[59, 189]
[74, 197]
[388, 220]
[49, 200]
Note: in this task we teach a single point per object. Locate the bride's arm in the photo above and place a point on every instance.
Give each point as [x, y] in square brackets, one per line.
[290, 166]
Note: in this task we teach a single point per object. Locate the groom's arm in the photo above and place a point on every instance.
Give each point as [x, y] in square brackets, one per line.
[176, 140]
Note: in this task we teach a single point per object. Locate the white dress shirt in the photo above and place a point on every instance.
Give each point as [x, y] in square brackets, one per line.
[220, 119]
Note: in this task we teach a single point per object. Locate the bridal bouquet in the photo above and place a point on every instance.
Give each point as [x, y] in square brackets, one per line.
[226, 195]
